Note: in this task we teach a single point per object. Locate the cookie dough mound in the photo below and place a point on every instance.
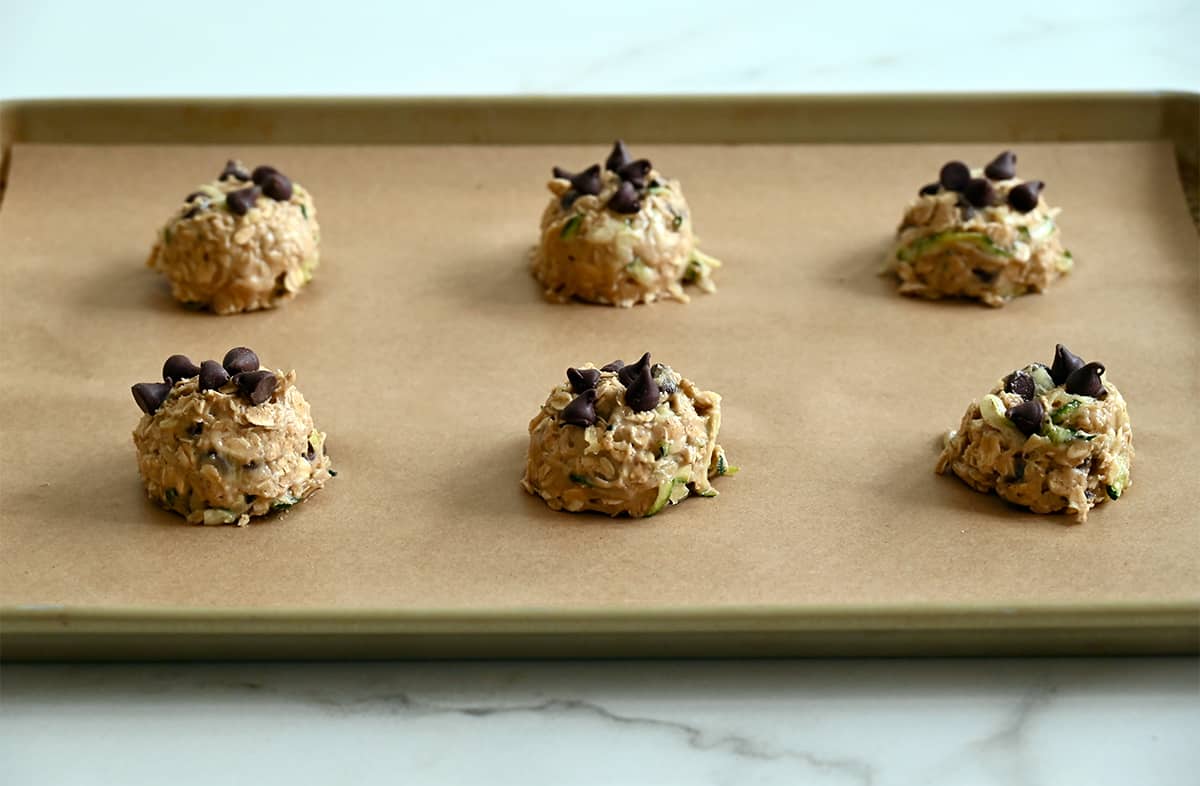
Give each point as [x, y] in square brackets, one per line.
[1052, 439]
[244, 242]
[624, 439]
[983, 234]
[223, 442]
[618, 236]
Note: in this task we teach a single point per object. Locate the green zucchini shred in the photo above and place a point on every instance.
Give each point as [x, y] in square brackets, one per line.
[1063, 412]
[581, 480]
[571, 228]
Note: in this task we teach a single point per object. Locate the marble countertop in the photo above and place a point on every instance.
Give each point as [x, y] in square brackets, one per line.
[882, 722]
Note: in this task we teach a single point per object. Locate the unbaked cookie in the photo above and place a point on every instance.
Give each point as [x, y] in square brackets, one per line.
[620, 235]
[244, 242]
[624, 439]
[222, 442]
[1052, 439]
[981, 234]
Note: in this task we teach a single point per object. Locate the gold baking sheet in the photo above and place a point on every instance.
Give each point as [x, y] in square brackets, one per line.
[424, 348]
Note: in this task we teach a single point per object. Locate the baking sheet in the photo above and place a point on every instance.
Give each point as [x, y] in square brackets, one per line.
[424, 348]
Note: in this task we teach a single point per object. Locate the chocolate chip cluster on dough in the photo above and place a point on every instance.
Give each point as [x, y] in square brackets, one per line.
[222, 442]
[244, 242]
[981, 234]
[624, 439]
[1050, 438]
[618, 235]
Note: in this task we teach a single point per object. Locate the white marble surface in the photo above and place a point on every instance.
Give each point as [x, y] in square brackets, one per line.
[1011, 722]
[1094, 722]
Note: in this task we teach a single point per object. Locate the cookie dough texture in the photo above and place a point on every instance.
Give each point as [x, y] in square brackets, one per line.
[628, 462]
[1080, 457]
[227, 263]
[590, 252]
[990, 254]
[215, 458]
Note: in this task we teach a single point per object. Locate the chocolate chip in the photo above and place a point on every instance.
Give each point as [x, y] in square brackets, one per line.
[929, 189]
[965, 208]
[239, 360]
[1085, 381]
[568, 199]
[1020, 383]
[1027, 416]
[192, 197]
[980, 193]
[179, 367]
[618, 158]
[212, 376]
[954, 176]
[257, 386]
[277, 187]
[242, 200]
[582, 379]
[1024, 197]
[636, 172]
[642, 393]
[233, 169]
[616, 365]
[261, 173]
[1003, 166]
[150, 395]
[1066, 363]
[311, 453]
[586, 182]
[986, 276]
[625, 200]
[627, 374]
[581, 411]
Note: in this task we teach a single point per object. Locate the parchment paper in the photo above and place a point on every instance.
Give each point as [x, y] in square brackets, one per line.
[424, 348]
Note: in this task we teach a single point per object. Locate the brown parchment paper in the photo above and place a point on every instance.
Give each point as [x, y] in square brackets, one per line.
[425, 348]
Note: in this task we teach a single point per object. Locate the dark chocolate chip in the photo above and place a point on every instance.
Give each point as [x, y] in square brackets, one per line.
[1085, 381]
[582, 379]
[257, 386]
[261, 173]
[1024, 197]
[636, 172]
[1027, 416]
[192, 197]
[1066, 363]
[930, 189]
[980, 193]
[1020, 383]
[311, 453]
[1003, 166]
[150, 395]
[618, 158]
[179, 367]
[212, 376]
[986, 276]
[196, 429]
[616, 365]
[568, 199]
[582, 410]
[242, 200]
[965, 208]
[625, 200]
[627, 374]
[954, 176]
[234, 170]
[277, 187]
[586, 182]
[239, 360]
[642, 393]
